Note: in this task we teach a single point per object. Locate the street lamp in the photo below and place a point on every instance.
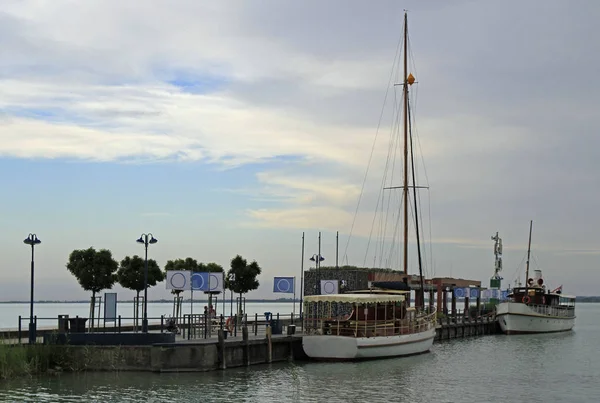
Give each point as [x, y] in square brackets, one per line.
[231, 280]
[32, 240]
[146, 239]
[317, 258]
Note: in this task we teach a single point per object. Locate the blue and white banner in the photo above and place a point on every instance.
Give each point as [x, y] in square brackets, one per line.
[459, 292]
[205, 281]
[178, 279]
[284, 285]
[474, 293]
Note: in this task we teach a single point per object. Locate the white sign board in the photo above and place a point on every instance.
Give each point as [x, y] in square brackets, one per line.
[179, 279]
[329, 287]
[110, 306]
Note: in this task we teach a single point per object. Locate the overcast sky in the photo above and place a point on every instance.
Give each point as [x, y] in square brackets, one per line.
[232, 127]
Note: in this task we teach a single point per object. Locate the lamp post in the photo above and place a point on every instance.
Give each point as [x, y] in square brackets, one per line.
[32, 240]
[146, 239]
[317, 258]
[231, 280]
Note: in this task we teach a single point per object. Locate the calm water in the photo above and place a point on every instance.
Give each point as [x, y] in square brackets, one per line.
[545, 368]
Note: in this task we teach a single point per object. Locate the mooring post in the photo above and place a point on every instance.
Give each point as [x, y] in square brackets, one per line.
[246, 345]
[221, 349]
[269, 345]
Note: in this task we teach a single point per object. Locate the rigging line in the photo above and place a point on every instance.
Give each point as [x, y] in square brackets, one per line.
[398, 46]
[381, 197]
[412, 161]
[415, 128]
[517, 270]
[381, 194]
[395, 143]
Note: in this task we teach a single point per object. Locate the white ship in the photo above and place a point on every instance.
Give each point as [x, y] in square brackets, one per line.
[534, 309]
[365, 325]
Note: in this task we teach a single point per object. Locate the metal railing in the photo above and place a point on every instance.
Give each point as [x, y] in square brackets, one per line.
[205, 326]
[560, 311]
[193, 326]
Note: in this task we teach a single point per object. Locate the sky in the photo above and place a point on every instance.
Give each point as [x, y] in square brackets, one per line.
[228, 128]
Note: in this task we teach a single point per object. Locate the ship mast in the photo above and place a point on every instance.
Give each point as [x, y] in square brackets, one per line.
[528, 254]
[405, 187]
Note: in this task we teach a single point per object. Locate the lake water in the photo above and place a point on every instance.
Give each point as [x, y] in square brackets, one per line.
[530, 368]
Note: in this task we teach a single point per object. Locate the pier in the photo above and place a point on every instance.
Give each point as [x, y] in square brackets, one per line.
[252, 343]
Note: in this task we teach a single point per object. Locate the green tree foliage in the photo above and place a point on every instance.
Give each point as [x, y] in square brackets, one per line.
[212, 268]
[242, 277]
[95, 270]
[131, 273]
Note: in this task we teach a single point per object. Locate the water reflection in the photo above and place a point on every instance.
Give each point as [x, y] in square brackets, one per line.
[532, 368]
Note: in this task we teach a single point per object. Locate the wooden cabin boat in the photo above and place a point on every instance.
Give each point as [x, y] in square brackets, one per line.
[365, 325]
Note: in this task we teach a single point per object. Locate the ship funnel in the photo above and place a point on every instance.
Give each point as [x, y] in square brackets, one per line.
[537, 274]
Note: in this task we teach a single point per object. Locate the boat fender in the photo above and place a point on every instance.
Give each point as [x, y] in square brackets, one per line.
[526, 299]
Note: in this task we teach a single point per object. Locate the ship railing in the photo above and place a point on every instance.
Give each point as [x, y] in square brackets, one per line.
[369, 328]
[560, 311]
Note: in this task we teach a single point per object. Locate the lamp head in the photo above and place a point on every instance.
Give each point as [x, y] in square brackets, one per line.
[141, 239]
[152, 239]
[32, 239]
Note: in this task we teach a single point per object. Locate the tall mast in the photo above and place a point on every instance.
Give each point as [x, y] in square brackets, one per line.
[405, 189]
[528, 254]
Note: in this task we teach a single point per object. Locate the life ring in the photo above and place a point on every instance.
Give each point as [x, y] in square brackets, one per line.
[526, 299]
[229, 324]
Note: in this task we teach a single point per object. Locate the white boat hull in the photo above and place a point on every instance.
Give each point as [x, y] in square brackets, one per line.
[519, 318]
[329, 347]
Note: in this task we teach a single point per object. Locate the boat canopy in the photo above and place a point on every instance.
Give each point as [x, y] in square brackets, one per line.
[355, 298]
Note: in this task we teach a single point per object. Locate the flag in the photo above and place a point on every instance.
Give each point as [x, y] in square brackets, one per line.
[200, 281]
[459, 292]
[329, 287]
[557, 289]
[178, 279]
[284, 285]
[205, 281]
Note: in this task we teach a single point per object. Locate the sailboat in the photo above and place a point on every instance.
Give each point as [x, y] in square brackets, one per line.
[377, 322]
[535, 308]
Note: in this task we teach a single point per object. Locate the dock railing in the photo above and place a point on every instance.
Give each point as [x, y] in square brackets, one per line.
[196, 326]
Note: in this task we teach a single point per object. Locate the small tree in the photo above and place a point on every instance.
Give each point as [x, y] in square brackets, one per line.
[242, 277]
[94, 270]
[131, 274]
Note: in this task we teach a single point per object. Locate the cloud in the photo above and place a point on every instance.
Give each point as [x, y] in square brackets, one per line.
[505, 120]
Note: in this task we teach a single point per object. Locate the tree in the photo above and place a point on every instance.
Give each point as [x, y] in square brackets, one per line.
[242, 277]
[94, 270]
[131, 273]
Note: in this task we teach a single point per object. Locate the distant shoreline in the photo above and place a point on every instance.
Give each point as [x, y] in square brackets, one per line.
[158, 301]
[227, 301]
